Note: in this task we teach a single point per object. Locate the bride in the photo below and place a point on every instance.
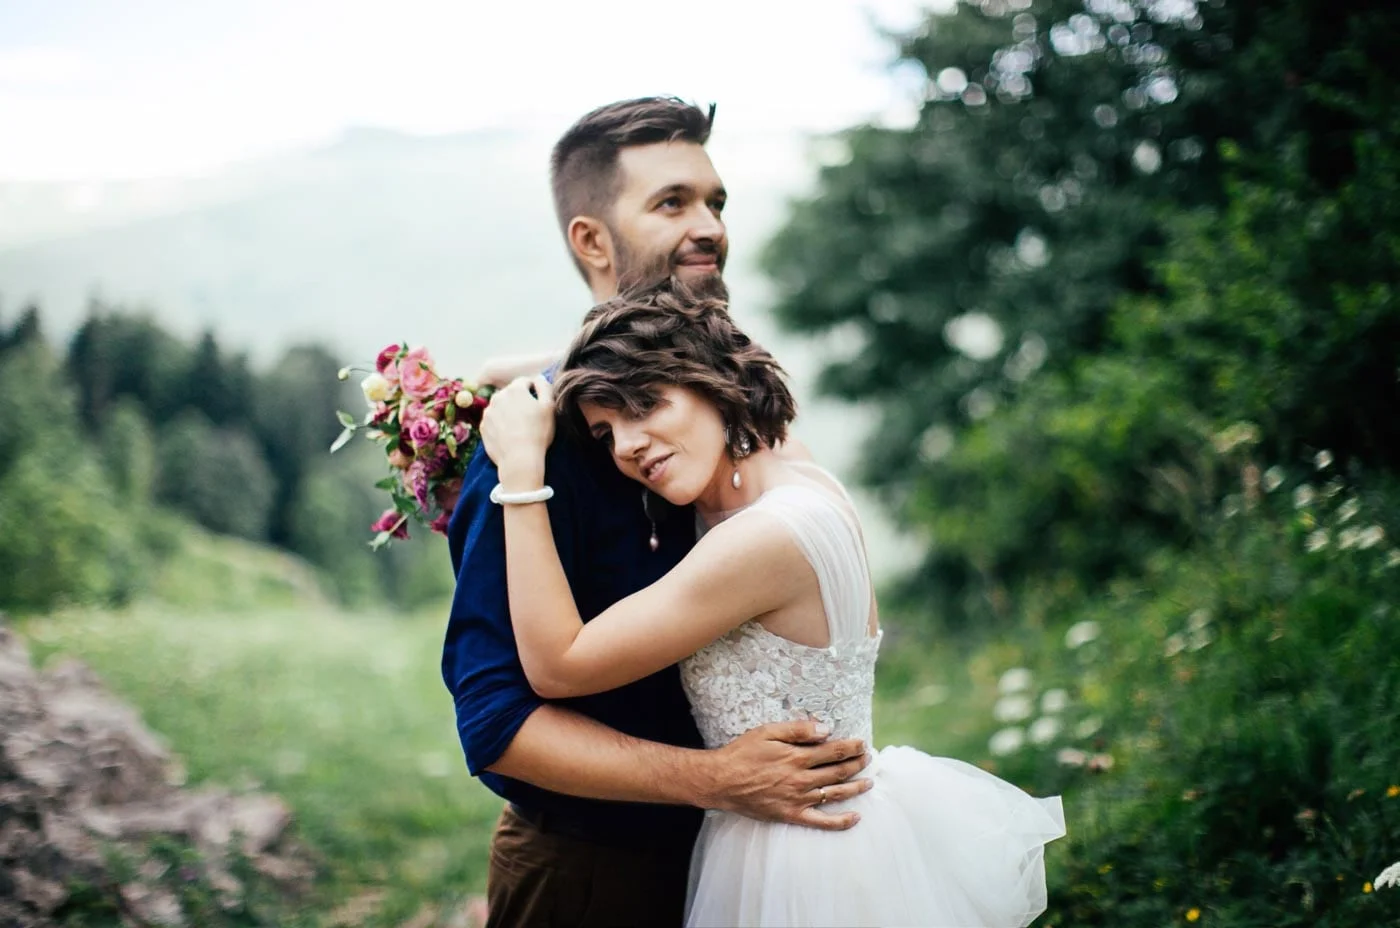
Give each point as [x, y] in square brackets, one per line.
[772, 617]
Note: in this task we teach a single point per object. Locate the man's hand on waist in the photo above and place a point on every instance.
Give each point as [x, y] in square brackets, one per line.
[785, 772]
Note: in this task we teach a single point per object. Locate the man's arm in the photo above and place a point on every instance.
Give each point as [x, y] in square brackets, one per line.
[507, 729]
[777, 772]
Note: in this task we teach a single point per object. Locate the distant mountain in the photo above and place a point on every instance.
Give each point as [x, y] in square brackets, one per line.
[447, 241]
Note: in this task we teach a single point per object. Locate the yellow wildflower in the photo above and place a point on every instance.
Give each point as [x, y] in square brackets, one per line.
[1392, 792]
[1366, 888]
[1193, 915]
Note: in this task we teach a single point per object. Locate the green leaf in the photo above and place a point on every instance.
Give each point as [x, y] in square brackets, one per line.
[345, 418]
[388, 483]
[341, 441]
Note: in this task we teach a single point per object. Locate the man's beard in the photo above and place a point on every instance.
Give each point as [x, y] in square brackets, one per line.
[637, 273]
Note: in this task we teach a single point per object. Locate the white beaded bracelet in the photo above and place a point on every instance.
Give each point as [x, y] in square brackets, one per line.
[502, 498]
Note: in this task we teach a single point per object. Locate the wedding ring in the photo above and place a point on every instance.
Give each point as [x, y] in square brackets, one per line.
[821, 791]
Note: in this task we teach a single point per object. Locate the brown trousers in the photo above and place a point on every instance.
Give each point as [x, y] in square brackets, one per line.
[541, 879]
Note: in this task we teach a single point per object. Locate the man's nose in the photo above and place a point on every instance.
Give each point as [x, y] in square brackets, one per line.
[707, 225]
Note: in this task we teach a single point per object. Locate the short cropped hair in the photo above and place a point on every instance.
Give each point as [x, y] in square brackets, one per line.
[583, 166]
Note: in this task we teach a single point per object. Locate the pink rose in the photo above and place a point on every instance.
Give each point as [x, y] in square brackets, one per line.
[461, 432]
[439, 524]
[400, 460]
[445, 393]
[422, 433]
[416, 374]
[386, 365]
[393, 523]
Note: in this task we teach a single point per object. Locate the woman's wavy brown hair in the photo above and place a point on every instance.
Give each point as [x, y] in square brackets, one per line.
[664, 335]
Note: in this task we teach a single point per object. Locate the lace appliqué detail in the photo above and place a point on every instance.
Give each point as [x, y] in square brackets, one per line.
[751, 677]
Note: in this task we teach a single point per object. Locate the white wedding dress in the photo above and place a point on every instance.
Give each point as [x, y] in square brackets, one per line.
[940, 843]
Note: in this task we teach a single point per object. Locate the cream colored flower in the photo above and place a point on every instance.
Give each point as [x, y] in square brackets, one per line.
[1012, 708]
[1044, 729]
[1006, 741]
[1081, 633]
[1388, 877]
[1015, 680]
[376, 388]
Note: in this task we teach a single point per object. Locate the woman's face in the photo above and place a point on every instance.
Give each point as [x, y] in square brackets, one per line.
[674, 450]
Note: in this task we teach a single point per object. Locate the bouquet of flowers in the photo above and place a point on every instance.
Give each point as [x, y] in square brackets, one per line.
[427, 426]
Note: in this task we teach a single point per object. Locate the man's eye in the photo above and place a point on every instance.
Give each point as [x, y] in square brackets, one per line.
[670, 203]
[719, 205]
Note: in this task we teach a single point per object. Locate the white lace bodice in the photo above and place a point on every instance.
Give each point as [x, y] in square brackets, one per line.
[751, 676]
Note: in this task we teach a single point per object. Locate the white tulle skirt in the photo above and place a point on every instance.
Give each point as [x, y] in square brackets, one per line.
[940, 844]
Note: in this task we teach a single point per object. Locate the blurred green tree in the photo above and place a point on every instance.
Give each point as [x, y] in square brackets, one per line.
[1013, 270]
[217, 476]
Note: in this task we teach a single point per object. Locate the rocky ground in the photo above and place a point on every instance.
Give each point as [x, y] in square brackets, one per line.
[85, 788]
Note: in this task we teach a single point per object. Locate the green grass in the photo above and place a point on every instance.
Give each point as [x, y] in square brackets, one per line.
[257, 681]
[343, 715]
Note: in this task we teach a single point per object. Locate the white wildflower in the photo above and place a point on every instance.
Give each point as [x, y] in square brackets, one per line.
[1054, 701]
[1199, 638]
[1273, 479]
[1081, 633]
[1348, 510]
[1331, 488]
[1371, 536]
[1071, 757]
[1348, 537]
[1390, 876]
[1006, 741]
[1044, 729]
[1176, 643]
[1303, 496]
[1323, 460]
[1012, 708]
[1089, 727]
[1316, 541]
[1393, 558]
[1015, 680]
[1198, 620]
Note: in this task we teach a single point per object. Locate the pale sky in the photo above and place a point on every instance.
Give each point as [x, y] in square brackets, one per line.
[103, 89]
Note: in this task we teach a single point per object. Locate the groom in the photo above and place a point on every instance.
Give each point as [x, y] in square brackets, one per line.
[604, 793]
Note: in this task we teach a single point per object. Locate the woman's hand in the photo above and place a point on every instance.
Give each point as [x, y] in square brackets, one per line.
[497, 372]
[517, 428]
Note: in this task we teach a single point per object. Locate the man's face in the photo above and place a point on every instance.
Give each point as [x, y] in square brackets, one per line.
[667, 216]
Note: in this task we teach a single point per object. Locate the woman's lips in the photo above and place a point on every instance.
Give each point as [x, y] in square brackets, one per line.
[652, 472]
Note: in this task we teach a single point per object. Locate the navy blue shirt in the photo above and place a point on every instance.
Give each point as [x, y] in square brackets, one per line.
[601, 532]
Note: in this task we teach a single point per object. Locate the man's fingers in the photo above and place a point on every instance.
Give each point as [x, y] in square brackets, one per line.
[832, 774]
[833, 752]
[813, 817]
[842, 791]
[804, 731]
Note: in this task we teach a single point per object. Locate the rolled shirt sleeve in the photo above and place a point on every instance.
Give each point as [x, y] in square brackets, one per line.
[480, 663]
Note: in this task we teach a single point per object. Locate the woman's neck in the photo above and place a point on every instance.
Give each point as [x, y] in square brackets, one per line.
[758, 473]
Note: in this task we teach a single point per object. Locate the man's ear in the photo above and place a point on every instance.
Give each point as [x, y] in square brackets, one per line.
[591, 243]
